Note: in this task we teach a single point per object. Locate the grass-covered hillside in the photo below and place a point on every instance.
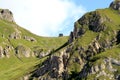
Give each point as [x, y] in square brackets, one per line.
[16, 35]
[20, 50]
[92, 51]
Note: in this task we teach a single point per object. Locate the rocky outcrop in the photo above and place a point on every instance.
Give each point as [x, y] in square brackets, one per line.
[1, 52]
[30, 38]
[104, 69]
[22, 51]
[40, 53]
[5, 52]
[76, 60]
[7, 15]
[115, 5]
[77, 32]
[54, 66]
[15, 35]
[93, 21]
[71, 37]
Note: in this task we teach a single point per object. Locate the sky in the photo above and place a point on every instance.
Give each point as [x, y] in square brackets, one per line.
[50, 17]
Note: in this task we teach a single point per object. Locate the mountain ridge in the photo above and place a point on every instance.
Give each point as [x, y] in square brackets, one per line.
[92, 51]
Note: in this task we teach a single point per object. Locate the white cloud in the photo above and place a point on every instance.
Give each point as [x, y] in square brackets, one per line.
[44, 17]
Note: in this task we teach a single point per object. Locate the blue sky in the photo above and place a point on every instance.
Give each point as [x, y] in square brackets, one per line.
[50, 17]
[93, 4]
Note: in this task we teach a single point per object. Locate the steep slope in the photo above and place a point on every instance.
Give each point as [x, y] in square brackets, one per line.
[21, 50]
[93, 52]
[15, 37]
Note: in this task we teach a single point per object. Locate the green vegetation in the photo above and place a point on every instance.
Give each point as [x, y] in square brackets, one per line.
[15, 67]
[7, 28]
[75, 63]
[89, 49]
[86, 39]
[114, 52]
[111, 22]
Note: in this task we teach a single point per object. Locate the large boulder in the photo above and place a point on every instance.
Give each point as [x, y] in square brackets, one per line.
[22, 50]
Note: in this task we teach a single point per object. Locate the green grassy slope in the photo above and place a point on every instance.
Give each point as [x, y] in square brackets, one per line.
[7, 28]
[90, 50]
[13, 68]
[84, 53]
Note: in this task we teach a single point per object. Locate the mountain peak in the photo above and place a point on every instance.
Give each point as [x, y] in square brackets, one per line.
[115, 5]
[6, 14]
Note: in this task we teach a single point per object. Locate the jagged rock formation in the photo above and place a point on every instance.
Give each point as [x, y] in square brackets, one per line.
[54, 66]
[92, 52]
[94, 22]
[5, 14]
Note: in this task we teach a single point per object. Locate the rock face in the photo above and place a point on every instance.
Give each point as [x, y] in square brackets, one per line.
[54, 65]
[7, 15]
[92, 21]
[99, 70]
